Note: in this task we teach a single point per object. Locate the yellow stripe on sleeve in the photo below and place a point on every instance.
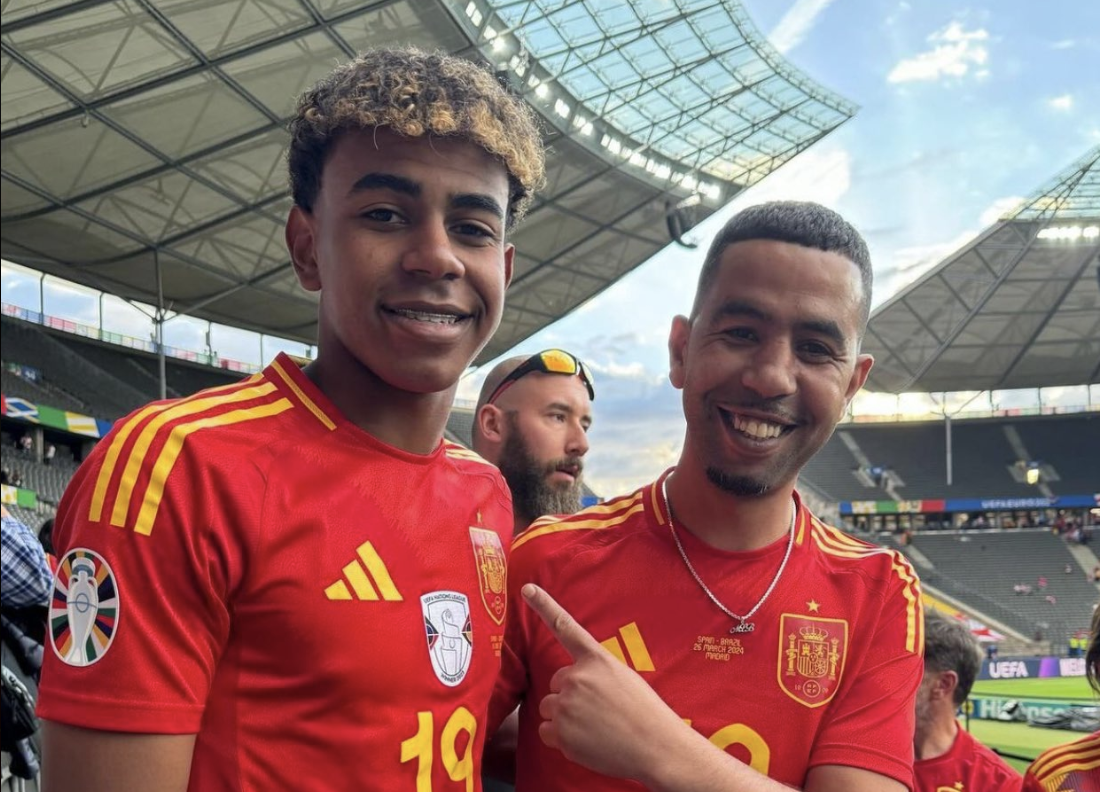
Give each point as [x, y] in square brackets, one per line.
[107, 470]
[140, 450]
[171, 451]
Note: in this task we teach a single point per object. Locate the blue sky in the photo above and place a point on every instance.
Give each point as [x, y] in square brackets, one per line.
[964, 108]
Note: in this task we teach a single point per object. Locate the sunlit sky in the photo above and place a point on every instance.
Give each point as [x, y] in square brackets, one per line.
[964, 109]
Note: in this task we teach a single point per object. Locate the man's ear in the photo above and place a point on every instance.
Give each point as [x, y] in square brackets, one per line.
[509, 256]
[946, 682]
[678, 338]
[300, 241]
[859, 377]
[489, 423]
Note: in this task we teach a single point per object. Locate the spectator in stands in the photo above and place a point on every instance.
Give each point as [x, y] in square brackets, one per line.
[532, 421]
[45, 538]
[1072, 767]
[25, 444]
[655, 582]
[1042, 582]
[51, 452]
[24, 574]
[5, 476]
[1096, 574]
[273, 576]
[947, 756]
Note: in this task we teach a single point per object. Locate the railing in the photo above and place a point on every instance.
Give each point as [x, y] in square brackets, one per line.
[145, 345]
[1013, 412]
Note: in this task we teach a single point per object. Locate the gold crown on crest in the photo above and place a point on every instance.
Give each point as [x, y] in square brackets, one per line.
[814, 634]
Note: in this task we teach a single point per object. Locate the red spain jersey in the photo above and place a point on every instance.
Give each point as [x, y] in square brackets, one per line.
[1074, 767]
[828, 676]
[968, 767]
[247, 565]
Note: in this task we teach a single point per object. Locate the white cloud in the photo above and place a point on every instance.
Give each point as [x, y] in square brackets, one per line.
[908, 264]
[1063, 103]
[999, 207]
[796, 24]
[953, 52]
[1064, 44]
[822, 175]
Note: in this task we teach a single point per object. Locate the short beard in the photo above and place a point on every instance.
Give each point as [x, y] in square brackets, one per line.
[741, 486]
[532, 495]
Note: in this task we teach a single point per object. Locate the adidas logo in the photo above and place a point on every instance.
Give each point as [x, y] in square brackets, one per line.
[359, 574]
[630, 638]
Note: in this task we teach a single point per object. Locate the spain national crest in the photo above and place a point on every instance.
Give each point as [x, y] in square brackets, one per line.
[812, 651]
[492, 570]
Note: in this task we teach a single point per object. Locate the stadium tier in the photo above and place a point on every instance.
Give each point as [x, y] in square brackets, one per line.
[907, 461]
[92, 377]
[982, 569]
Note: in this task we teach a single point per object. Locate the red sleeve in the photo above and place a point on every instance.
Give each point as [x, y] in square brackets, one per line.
[512, 683]
[160, 523]
[1031, 783]
[877, 712]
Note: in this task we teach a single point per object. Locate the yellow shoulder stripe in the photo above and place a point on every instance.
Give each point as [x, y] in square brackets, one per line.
[1075, 753]
[302, 397]
[171, 451]
[107, 469]
[181, 410]
[458, 452]
[829, 542]
[594, 518]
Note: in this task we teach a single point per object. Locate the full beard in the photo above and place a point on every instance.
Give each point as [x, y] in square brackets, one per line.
[532, 493]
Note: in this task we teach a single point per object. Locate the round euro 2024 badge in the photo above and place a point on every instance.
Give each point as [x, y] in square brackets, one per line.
[84, 608]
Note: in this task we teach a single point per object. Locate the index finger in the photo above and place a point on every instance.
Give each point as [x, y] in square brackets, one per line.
[576, 640]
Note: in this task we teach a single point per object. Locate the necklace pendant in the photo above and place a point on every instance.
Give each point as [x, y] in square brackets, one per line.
[742, 627]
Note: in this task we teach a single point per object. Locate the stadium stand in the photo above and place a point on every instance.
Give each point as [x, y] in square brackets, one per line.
[119, 379]
[41, 392]
[48, 481]
[981, 568]
[983, 457]
[106, 395]
[1069, 444]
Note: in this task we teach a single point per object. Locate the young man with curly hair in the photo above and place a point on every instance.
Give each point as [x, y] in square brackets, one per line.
[248, 576]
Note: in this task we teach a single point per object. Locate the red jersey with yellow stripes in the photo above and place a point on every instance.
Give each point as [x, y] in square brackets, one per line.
[1074, 767]
[968, 766]
[828, 676]
[247, 565]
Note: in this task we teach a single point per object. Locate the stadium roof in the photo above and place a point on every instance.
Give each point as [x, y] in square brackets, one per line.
[140, 136]
[1019, 307]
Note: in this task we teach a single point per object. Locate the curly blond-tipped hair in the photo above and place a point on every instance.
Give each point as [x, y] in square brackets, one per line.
[415, 93]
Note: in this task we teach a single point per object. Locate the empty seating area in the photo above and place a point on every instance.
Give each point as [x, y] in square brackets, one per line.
[11, 384]
[105, 394]
[983, 454]
[981, 569]
[48, 481]
[1068, 442]
[92, 377]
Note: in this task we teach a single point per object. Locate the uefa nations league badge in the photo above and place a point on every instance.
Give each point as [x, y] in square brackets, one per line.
[450, 634]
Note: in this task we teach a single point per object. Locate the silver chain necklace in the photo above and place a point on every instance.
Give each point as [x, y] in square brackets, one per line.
[743, 624]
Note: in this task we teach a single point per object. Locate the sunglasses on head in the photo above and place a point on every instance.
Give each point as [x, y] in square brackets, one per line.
[550, 361]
